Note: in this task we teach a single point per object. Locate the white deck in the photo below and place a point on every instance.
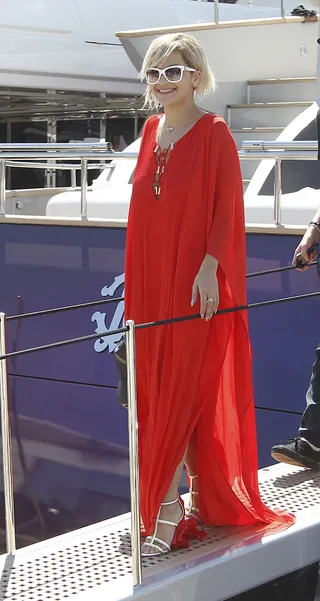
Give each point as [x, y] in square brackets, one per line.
[94, 563]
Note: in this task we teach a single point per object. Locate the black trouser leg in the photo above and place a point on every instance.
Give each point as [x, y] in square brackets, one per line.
[318, 131]
[310, 422]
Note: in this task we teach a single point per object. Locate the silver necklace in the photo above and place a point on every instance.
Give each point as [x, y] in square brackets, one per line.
[172, 128]
[180, 126]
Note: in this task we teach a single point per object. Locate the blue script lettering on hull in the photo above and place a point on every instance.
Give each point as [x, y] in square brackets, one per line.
[116, 321]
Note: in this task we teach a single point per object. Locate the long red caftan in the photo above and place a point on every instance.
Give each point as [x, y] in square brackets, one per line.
[193, 376]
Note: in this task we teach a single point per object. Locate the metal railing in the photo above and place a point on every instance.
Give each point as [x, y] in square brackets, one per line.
[276, 145]
[15, 155]
[6, 445]
[60, 167]
[278, 151]
[50, 167]
[10, 530]
[134, 454]
[33, 154]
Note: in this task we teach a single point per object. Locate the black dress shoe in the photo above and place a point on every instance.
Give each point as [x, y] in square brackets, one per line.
[296, 452]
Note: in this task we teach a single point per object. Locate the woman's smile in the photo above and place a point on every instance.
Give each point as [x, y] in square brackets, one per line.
[164, 91]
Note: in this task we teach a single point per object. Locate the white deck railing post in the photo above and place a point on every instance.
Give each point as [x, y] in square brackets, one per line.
[6, 444]
[133, 454]
[84, 183]
[2, 187]
[277, 193]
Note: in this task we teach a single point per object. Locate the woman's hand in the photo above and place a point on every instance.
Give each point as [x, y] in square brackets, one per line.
[311, 236]
[206, 286]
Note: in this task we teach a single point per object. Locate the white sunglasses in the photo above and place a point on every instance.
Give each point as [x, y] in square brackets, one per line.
[172, 74]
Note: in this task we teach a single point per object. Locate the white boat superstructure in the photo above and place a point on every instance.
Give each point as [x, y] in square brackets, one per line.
[265, 63]
[75, 47]
[240, 51]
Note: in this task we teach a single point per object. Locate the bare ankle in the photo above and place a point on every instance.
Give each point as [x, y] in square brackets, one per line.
[194, 483]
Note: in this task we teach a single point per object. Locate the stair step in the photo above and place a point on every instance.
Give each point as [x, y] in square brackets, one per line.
[281, 80]
[264, 114]
[262, 105]
[281, 89]
[272, 104]
[256, 130]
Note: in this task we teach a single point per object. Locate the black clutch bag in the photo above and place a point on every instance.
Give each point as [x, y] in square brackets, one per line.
[120, 355]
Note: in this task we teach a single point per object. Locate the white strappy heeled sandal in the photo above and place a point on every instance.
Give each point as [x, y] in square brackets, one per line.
[155, 542]
[191, 510]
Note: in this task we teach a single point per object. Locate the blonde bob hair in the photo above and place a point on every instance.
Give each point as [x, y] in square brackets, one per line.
[192, 54]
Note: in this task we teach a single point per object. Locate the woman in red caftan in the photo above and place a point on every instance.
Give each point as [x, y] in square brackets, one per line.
[186, 254]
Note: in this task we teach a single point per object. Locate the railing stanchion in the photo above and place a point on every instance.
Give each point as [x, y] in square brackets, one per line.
[2, 187]
[6, 444]
[73, 178]
[83, 198]
[277, 192]
[133, 454]
[216, 11]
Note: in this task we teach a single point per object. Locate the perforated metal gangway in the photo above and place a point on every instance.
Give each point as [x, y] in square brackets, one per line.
[94, 563]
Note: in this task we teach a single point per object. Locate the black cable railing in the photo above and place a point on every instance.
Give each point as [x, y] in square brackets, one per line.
[161, 322]
[121, 298]
[66, 308]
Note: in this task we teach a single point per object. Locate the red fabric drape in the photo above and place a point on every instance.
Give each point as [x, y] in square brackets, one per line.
[193, 377]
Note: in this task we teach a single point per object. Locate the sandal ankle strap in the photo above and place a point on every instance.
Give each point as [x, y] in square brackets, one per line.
[170, 502]
[173, 524]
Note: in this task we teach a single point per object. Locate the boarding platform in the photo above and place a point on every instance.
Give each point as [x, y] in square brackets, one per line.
[94, 563]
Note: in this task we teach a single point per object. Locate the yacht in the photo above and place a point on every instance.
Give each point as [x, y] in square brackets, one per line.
[66, 528]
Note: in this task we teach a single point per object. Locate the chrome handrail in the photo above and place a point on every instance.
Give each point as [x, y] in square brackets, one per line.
[277, 154]
[58, 146]
[267, 145]
[57, 166]
[65, 155]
